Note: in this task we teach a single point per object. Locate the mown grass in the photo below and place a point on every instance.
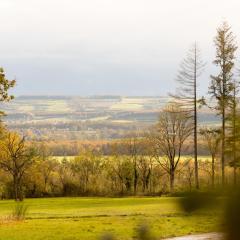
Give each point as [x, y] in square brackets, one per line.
[88, 218]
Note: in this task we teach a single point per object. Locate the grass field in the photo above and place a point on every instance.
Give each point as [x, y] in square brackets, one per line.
[88, 218]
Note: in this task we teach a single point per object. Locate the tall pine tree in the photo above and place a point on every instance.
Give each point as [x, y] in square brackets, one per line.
[222, 85]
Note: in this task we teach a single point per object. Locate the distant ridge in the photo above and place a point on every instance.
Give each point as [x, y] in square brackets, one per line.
[81, 96]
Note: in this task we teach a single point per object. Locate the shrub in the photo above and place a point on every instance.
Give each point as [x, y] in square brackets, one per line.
[19, 211]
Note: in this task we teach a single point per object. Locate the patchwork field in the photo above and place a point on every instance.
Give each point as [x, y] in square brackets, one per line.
[89, 218]
[80, 118]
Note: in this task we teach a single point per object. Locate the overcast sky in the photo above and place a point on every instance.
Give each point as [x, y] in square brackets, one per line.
[124, 47]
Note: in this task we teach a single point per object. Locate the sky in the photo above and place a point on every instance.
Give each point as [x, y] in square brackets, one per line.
[99, 47]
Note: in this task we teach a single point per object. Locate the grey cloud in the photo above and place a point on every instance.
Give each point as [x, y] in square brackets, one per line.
[108, 46]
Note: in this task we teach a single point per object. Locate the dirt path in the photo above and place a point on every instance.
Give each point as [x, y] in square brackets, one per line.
[207, 236]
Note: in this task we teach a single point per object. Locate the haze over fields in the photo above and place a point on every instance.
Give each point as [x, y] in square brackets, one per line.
[96, 117]
[79, 47]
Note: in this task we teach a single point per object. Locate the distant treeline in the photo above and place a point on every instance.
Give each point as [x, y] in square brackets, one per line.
[105, 147]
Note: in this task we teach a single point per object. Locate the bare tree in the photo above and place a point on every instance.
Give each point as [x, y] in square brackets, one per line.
[186, 94]
[169, 135]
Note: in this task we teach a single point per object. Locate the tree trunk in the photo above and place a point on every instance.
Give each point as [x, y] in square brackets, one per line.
[213, 171]
[148, 179]
[17, 188]
[223, 147]
[195, 122]
[235, 175]
[143, 185]
[20, 193]
[135, 179]
[234, 140]
[172, 178]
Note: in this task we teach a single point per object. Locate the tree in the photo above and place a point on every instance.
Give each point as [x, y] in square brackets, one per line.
[169, 135]
[186, 95]
[189, 173]
[145, 163]
[45, 165]
[15, 159]
[119, 169]
[133, 151]
[5, 86]
[85, 167]
[65, 175]
[233, 137]
[221, 87]
[212, 136]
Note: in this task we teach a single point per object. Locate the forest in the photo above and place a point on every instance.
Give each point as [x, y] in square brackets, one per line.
[174, 154]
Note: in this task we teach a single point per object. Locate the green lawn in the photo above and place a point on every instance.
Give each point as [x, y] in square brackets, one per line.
[88, 218]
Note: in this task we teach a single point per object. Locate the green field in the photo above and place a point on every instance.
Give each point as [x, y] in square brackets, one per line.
[88, 218]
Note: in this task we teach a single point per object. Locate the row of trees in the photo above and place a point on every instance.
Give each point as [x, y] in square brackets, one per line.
[31, 171]
[223, 91]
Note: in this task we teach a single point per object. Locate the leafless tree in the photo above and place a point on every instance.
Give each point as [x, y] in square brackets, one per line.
[169, 135]
[186, 94]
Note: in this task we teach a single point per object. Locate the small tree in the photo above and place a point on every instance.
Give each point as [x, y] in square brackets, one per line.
[84, 166]
[222, 85]
[119, 169]
[15, 158]
[134, 151]
[212, 136]
[5, 86]
[169, 135]
[45, 165]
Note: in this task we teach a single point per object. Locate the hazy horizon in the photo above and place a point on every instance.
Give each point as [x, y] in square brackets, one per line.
[126, 48]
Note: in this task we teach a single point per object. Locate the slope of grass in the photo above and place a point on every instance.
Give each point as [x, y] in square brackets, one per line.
[88, 218]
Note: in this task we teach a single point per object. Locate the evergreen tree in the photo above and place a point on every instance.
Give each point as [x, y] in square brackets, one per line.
[222, 85]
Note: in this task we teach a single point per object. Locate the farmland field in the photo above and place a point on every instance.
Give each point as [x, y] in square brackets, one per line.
[88, 218]
[81, 118]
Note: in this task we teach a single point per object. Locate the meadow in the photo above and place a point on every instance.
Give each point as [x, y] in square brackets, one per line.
[89, 218]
